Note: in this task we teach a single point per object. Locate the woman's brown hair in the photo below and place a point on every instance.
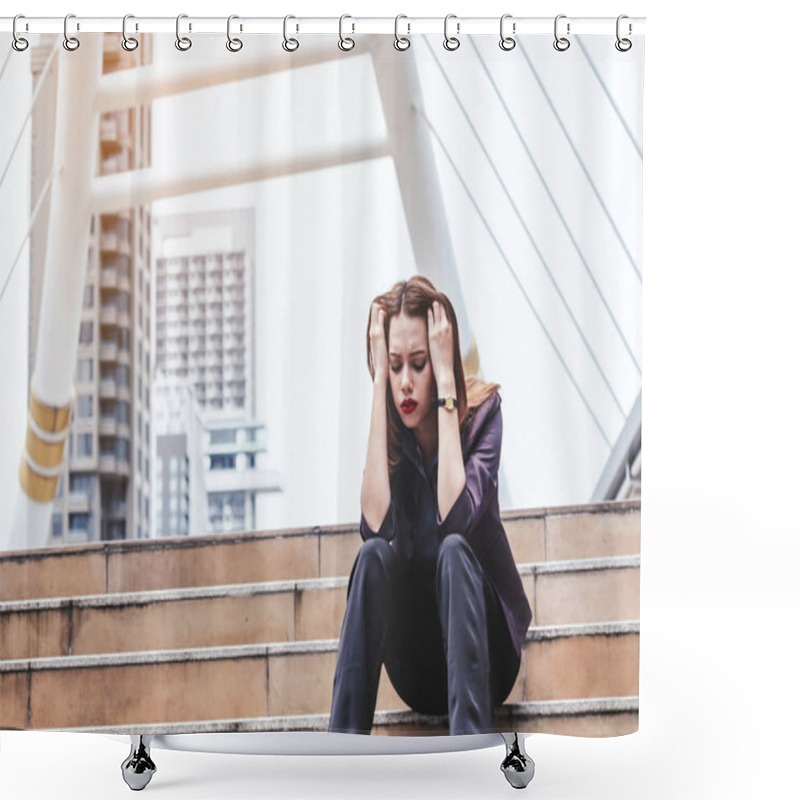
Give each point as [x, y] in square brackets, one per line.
[414, 297]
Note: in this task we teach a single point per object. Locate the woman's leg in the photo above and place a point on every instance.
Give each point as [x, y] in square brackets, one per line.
[463, 619]
[358, 665]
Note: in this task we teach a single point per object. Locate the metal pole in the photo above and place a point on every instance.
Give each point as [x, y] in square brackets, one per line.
[76, 140]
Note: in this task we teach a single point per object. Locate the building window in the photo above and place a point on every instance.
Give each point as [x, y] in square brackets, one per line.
[85, 370]
[80, 484]
[86, 333]
[123, 412]
[226, 461]
[88, 296]
[79, 523]
[83, 445]
[84, 406]
[227, 436]
[139, 463]
[58, 525]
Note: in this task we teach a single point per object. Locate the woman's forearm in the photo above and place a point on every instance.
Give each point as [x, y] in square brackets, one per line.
[375, 491]
[451, 478]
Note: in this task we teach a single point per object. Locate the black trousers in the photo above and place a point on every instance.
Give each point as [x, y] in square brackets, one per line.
[439, 628]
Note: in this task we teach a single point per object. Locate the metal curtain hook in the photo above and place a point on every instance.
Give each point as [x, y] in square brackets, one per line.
[233, 44]
[401, 42]
[19, 43]
[70, 42]
[451, 42]
[182, 42]
[507, 42]
[561, 43]
[623, 45]
[129, 43]
[345, 42]
[289, 45]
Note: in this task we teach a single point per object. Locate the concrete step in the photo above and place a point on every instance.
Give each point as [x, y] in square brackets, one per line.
[535, 535]
[560, 662]
[560, 592]
[600, 716]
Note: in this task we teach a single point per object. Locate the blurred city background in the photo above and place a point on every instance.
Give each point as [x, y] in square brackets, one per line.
[221, 382]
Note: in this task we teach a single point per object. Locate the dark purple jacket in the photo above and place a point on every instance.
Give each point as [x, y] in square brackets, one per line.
[414, 510]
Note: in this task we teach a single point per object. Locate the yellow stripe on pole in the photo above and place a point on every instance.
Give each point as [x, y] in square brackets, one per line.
[37, 487]
[51, 419]
[45, 454]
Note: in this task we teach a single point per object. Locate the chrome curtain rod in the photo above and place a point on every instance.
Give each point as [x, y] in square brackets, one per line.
[462, 26]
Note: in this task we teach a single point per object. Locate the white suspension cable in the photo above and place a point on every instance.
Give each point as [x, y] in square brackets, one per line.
[34, 215]
[34, 97]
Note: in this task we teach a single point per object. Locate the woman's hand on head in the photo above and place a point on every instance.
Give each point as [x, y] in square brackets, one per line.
[377, 341]
[440, 343]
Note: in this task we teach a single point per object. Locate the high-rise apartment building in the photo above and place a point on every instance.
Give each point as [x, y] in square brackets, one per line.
[104, 492]
[204, 339]
[204, 313]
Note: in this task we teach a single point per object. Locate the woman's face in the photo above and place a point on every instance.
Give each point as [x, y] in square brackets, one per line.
[410, 374]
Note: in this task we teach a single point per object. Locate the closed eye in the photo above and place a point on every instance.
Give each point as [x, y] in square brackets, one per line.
[417, 367]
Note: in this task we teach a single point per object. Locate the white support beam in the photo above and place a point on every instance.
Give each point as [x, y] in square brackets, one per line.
[139, 187]
[76, 141]
[420, 189]
[142, 85]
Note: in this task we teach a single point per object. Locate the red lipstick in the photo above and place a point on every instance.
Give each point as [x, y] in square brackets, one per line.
[408, 405]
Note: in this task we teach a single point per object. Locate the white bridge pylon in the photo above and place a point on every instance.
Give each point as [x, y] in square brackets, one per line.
[84, 93]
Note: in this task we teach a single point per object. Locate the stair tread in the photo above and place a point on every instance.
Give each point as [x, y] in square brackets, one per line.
[147, 597]
[535, 633]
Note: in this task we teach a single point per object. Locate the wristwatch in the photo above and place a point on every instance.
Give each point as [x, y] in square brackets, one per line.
[448, 402]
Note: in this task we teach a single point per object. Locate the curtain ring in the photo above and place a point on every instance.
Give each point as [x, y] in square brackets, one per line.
[183, 43]
[561, 43]
[401, 42]
[623, 45]
[289, 45]
[345, 42]
[234, 44]
[19, 43]
[129, 43]
[70, 42]
[507, 42]
[451, 42]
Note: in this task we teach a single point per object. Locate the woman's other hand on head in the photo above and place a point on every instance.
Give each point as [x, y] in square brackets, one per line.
[440, 343]
[377, 340]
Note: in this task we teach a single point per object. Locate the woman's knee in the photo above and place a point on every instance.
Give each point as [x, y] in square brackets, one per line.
[373, 561]
[453, 547]
[375, 549]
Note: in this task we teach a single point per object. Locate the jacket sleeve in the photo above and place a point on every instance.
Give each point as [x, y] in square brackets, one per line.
[480, 489]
